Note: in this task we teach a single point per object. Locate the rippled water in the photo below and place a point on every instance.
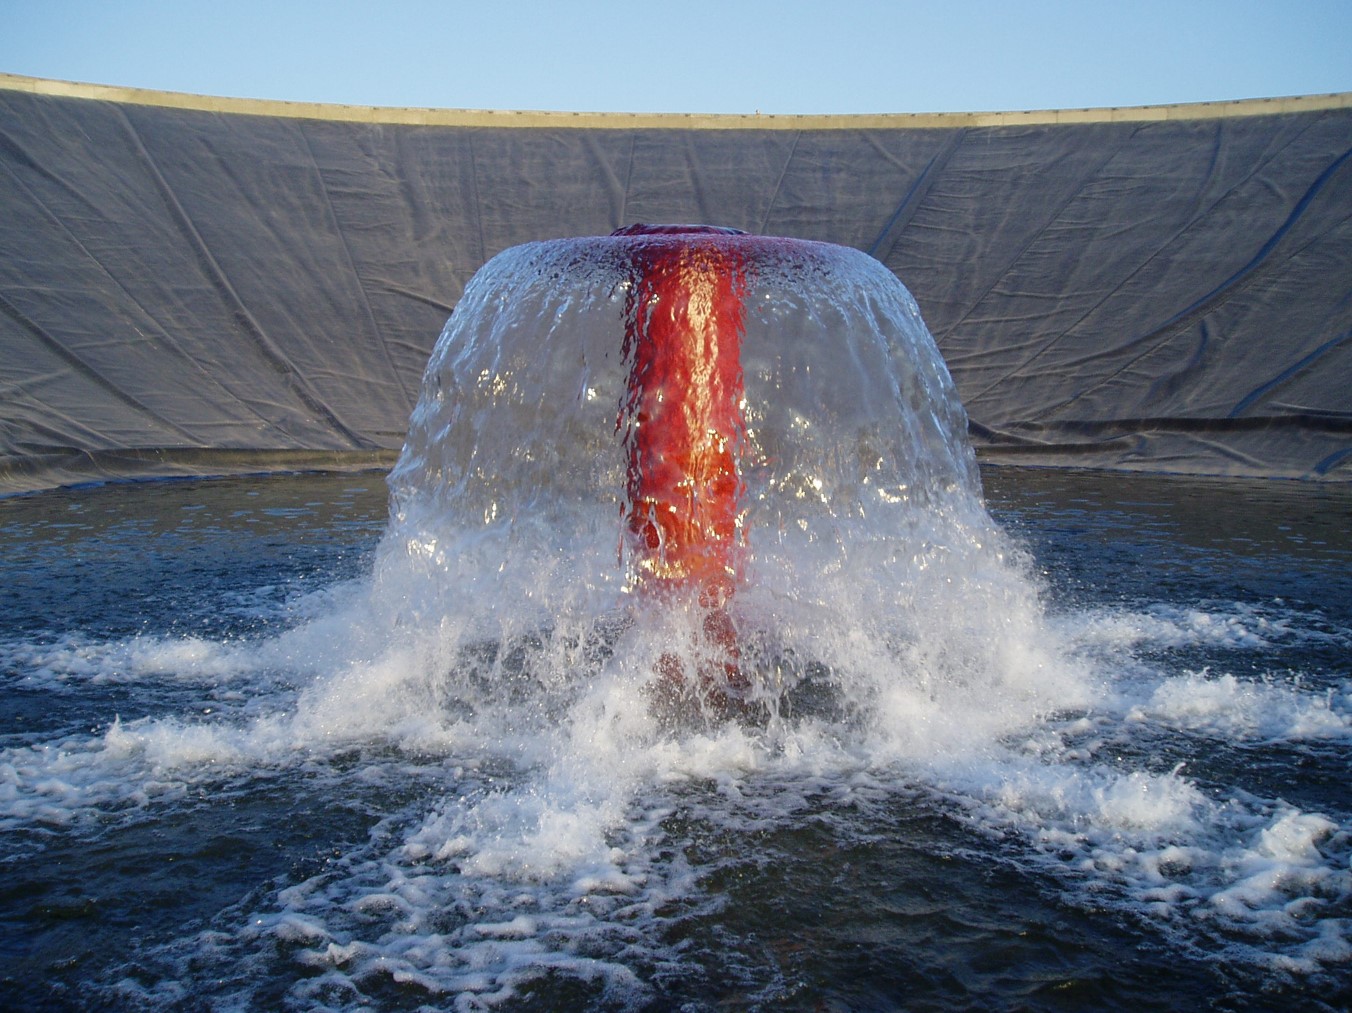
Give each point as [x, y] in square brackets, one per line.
[234, 775]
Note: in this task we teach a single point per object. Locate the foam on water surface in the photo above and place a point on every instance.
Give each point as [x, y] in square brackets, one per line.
[942, 755]
[552, 834]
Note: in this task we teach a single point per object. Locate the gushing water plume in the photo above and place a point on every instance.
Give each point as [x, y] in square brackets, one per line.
[731, 455]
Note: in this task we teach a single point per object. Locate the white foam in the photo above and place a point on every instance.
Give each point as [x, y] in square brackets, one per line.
[550, 849]
[548, 843]
[1231, 625]
[74, 659]
[1247, 710]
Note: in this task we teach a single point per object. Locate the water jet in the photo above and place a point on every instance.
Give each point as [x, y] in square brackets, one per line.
[731, 398]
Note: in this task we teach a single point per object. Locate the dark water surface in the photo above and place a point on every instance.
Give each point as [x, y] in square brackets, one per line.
[215, 794]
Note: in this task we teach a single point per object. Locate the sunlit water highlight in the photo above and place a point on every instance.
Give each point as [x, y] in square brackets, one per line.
[264, 750]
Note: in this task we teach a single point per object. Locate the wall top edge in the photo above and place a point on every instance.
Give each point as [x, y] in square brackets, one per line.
[668, 121]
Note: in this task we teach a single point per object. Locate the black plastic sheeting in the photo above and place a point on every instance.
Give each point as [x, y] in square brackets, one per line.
[188, 292]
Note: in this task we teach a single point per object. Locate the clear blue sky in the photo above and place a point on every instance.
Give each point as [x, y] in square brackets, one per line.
[789, 56]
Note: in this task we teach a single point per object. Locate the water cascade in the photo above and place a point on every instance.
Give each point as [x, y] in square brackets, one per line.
[714, 431]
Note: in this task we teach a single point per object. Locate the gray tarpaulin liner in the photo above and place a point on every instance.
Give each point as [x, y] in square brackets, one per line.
[191, 287]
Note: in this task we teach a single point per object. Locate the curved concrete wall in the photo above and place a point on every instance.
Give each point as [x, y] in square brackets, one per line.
[195, 285]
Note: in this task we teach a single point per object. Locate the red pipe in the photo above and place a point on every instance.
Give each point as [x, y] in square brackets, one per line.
[683, 408]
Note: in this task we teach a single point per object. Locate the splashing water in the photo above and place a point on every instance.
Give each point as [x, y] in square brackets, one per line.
[823, 464]
[543, 831]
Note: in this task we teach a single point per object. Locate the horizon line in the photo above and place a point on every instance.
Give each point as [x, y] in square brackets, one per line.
[451, 117]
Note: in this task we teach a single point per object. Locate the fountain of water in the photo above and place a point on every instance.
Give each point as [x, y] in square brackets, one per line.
[685, 420]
